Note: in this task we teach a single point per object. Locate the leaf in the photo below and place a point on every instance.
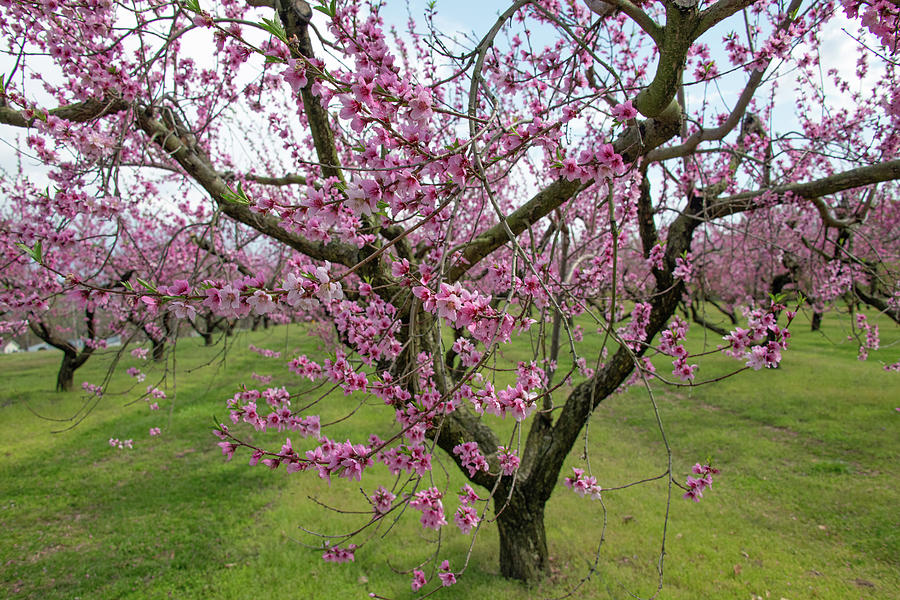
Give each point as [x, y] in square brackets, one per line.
[238, 197]
[274, 27]
[193, 6]
[147, 285]
[325, 9]
[35, 253]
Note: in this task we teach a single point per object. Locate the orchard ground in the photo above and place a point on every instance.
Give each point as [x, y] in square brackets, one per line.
[805, 505]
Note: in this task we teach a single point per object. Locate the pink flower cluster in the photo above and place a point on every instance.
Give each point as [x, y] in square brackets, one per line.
[636, 331]
[263, 379]
[418, 580]
[136, 373]
[760, 324]
[305, 368]
[517, 401]
[92, 389]
[509, 462]
[447, 578]
[470, 457]
[381, 500]
[279, 418]
[583, 485]
[429, 502]
[684, 268]
[696, 485]
[121, 444]
[872, 341]
[657, 254]
[472, 310]
[670, 344]
[591, 165]
[339, 555]
[265, 352]
[370, 330]
[345, 459]
[468, 355]
[466, 517]
[881, 17]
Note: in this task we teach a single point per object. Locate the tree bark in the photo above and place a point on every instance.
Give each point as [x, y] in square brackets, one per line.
[159, 349]
[66, 375]
[816, 323]
[523, 541]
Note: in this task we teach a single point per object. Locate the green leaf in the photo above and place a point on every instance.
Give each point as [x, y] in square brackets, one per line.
[127, 285]
[325, 9]
[193, 6]
[147, 285]
[274, 27]
[35, 253]
[238, 197]
[274, 59]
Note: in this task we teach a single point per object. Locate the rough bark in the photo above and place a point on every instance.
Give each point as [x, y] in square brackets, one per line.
[523, 540]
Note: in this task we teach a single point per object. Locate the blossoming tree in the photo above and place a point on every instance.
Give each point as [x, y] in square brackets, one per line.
[444, 196]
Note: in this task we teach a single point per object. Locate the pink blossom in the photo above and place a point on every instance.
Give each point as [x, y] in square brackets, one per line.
[418, 580]
[624, 112]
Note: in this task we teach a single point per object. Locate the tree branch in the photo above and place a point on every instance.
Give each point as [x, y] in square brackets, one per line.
[812, 190]
[79, 112]
[720, 11]
[634, 142]
[196, 164]
[643, 20]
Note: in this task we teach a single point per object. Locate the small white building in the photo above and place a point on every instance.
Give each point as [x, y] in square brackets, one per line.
[11, 347]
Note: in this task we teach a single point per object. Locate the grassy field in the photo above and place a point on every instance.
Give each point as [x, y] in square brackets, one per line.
[805, 506]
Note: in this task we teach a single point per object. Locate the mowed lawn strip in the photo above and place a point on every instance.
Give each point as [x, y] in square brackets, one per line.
[805, 506]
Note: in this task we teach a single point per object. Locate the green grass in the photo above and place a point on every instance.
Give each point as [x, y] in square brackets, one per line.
[805, 506]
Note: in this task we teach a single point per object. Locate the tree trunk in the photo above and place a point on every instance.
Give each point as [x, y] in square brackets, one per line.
[523, 541]
[66, 375]
[159, 349]
[816, 323]
[207, 338]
